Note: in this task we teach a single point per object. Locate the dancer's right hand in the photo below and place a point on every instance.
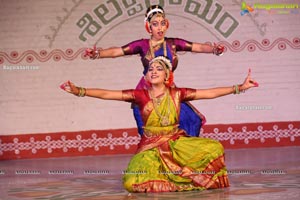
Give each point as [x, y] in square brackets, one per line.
[92, 53]
[70, 88]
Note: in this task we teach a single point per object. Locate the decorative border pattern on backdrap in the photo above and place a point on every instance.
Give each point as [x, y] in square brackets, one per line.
[264, 45]
[43, 56]
[57, 55]
[125, 141]
[255, 135]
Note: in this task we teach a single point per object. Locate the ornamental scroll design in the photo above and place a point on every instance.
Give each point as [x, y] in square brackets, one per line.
[30, 56]
[69, 54]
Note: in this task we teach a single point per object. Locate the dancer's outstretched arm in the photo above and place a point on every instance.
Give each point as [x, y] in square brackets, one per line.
[207, 48]
[222, 91]
[96, 93]
[112, 52]
[200, 93]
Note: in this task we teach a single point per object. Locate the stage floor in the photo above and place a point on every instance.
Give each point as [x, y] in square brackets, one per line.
[262, 173]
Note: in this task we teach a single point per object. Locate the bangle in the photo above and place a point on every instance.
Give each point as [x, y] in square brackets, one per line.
[236, 89]
[97, 54]
[82, 92]
[217, 50]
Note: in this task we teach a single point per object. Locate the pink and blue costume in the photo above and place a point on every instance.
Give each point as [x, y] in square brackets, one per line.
[191, 119]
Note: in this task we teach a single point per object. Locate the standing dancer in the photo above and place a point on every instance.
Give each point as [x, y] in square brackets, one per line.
[157, 25]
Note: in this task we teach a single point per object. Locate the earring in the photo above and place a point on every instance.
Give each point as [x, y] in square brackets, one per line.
[167, 23]
[169, 81]
[147, 27]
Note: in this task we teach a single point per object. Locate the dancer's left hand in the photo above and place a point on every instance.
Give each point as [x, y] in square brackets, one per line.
[249, 82]
[218, 49]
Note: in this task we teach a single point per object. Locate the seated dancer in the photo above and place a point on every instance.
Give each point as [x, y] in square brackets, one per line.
[167, 159]
[157, 25]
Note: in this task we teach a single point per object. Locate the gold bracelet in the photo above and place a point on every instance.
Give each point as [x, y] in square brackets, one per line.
[97, 54]
[82, 92]
[78, 91]
[236, 89]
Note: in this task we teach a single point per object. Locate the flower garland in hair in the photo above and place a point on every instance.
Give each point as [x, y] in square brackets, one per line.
[164, 59]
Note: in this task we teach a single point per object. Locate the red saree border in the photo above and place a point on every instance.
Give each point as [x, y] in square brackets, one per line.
[155, 186]
[125, 141]
[203, 179]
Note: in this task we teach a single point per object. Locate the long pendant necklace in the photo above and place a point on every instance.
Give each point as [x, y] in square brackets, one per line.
[154, 46]
[164, 119]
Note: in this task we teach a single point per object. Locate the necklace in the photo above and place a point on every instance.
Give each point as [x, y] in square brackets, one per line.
[164, 119]
[158, 44]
